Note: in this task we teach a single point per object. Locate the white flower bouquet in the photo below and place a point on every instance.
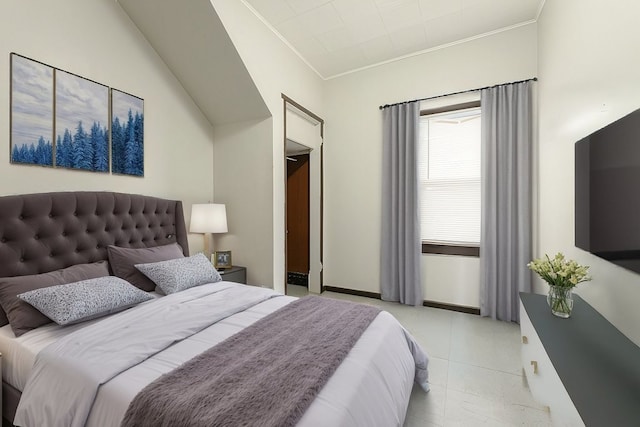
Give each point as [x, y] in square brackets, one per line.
[559, 271]
[562, 275]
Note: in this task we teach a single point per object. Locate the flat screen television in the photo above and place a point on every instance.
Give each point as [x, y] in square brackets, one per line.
[607, 192]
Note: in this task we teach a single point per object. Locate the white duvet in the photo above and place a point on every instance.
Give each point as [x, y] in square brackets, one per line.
[98, 369]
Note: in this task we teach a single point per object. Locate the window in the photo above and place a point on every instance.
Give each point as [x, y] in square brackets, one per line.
[449, 170]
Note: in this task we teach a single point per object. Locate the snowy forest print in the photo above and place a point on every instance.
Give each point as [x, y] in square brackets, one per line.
[63, 120]
[82, 117]
[31, 112]
[127, 134]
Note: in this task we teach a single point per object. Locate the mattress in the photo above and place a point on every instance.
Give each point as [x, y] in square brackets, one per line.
[371, 387]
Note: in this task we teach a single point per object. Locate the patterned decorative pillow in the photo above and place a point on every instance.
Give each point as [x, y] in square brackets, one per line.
[85, 300]
[182, 273]
[22, 316]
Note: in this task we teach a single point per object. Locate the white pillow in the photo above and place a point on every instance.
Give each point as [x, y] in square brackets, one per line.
[178, 274]
[85, 300]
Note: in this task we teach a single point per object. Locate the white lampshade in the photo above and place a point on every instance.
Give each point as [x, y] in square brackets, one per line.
[208, 218]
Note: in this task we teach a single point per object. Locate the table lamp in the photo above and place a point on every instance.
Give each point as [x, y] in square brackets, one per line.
[208, 218]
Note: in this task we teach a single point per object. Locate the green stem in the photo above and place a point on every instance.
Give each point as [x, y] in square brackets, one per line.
[560, 303]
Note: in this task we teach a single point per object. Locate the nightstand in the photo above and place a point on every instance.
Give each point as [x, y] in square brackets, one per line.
[234, 274]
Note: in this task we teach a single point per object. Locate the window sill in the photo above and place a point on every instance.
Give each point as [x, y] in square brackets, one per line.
[431, 248]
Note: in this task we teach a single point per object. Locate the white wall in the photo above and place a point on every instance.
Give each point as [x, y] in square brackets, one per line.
[275, 69]
[243, 178]
[588, 68]
[302, 129]
[97, 40]
[353, 154]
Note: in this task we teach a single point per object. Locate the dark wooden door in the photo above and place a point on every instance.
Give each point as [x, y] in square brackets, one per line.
[298, 214]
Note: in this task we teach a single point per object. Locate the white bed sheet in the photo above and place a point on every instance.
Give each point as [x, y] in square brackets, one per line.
[18, 354]
[370, 388]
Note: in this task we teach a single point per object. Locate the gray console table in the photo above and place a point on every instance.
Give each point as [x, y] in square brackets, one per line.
[598, 366]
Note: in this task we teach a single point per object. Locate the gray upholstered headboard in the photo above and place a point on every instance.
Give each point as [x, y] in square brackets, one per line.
[49, 231]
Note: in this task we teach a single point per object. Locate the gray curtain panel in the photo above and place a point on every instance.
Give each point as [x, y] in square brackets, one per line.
[505, 239]
[401, 246]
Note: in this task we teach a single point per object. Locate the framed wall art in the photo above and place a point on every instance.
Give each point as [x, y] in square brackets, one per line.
[59, 119]
[127, 134]
[81, 123]
[31, 112]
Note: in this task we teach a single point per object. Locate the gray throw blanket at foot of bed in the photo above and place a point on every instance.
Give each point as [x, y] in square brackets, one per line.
[267, 374]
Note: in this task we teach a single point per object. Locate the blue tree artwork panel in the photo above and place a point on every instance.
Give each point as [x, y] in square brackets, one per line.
[127, 134]
[62, 120]
[31, 112]
[81, 123]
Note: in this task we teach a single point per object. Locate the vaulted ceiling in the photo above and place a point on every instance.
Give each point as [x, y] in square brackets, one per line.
[332, 36]
[190, 38]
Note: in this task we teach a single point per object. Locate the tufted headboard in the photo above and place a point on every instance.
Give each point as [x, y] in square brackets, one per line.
[49, 231]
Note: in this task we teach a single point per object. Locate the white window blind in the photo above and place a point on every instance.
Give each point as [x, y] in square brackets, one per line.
[449, 168]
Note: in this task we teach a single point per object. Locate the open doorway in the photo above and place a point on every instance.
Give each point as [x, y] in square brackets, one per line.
[303, 198]
[298, 216]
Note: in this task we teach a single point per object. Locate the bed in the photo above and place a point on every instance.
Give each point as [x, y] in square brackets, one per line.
[42, 234]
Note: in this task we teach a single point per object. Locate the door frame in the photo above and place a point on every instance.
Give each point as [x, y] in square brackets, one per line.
[314, 117]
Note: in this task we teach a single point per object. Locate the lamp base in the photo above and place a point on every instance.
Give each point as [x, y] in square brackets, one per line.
[207, 246]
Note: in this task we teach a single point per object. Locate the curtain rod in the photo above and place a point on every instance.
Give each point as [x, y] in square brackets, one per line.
[535, 79]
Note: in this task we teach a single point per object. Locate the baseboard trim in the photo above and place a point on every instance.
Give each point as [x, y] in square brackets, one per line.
[432, 304]
[452, 307]
[355, 292]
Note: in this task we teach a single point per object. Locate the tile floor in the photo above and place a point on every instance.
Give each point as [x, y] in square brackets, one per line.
[475, 369]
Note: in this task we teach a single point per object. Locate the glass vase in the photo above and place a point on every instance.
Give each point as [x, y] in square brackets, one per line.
[560, 299]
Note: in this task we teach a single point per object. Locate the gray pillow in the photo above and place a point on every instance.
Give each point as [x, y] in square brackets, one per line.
[179, 274]
[122, 261]
[85, 300]
[24, 317]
